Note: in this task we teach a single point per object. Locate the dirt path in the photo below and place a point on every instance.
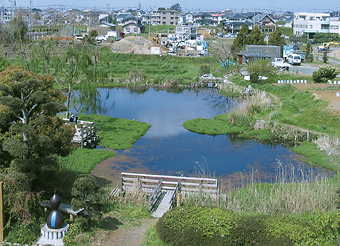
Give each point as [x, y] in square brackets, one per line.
[124, 235]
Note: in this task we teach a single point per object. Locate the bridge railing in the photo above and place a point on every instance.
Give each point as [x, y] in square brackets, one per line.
[148, 182]
[155, 195]
[173, 197]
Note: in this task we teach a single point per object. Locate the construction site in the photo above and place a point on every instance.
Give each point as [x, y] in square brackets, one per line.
[163, 44]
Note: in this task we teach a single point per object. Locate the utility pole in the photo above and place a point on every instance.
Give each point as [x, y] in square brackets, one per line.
[1, 214]
[108, 11]
[150, 22]
[30, 25]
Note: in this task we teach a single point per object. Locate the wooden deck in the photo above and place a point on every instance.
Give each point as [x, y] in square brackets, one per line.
[86, 133]
[162, 190]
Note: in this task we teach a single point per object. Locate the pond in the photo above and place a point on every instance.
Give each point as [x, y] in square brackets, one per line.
[168, 148]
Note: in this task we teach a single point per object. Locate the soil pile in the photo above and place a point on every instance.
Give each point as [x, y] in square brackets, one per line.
[205, 32]
[133, 45]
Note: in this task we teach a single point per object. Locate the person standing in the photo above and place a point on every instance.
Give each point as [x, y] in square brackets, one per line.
[75, 118]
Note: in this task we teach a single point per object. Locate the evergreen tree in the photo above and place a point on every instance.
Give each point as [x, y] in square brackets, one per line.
[256, 37]
[325, 56]
[87, 195]
[30, 133]
[309, 55]
[277, 39]
[177, 7]
[242, 39]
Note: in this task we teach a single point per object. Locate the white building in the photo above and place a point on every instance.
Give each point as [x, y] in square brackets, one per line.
[311, 23]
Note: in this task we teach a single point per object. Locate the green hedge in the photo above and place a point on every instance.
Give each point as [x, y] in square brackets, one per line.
[214, 226]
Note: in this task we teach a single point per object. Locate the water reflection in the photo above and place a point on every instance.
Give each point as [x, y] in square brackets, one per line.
[165, 109]
[168, 148]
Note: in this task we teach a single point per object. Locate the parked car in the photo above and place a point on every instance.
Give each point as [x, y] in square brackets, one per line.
[294, 59]
[280, 64]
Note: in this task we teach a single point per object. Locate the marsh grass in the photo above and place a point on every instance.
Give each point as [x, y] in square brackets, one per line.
[258, 102]
[292, 190]
[296, 190]
[134, 195]
[84, 160]
[117, 133]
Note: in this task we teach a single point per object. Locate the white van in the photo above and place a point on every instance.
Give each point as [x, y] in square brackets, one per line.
[294, 59]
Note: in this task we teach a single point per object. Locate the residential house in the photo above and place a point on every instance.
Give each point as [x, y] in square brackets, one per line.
[91, 17]
[132, 25]
[121, 16]
[234, 21]
[74, 16]
[265, 22]
[6, 15]
[204, 19]
[183, 33]
[311, 23]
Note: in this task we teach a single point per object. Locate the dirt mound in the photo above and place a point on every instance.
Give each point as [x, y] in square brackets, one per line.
[133, 45]
[205, 32]
[334, 53]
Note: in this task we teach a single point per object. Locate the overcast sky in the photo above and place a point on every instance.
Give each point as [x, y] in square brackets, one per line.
[188, 5]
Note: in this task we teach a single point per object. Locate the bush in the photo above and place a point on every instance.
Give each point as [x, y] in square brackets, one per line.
[215, 226]
[88, 195]
[199, 226]
[205, 69]
[325, 73]
[259, 68]
[326, 37]
[20, 207]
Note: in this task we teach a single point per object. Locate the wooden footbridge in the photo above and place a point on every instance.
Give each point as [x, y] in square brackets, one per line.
[86, 133]
[163, 191]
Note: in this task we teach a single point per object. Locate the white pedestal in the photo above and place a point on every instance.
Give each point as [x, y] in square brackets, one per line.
[52, 236]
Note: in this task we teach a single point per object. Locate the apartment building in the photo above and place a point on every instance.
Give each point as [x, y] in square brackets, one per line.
[311, 23]
[161, 17]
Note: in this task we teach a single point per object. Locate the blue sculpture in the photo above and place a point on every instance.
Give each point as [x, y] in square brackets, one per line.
[55, 219]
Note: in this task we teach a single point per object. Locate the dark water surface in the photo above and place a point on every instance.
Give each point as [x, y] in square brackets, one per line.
[168, 148]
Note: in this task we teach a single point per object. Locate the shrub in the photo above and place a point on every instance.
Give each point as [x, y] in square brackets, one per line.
[205, 69]
[259, 68]
[214, 226]
[325, 73]
[88, 195]
[20, 207]
[199, 226]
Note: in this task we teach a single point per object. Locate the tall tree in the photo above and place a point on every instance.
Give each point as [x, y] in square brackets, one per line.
[42, 51]
[31, 134]
[242, 38]
[277, 39]
[177, 7]
[223, 51]
[69, 69]
[256, 37]
[19, 29]
[221, 25]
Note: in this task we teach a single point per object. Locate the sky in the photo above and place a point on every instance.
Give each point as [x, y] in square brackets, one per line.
[187, 5]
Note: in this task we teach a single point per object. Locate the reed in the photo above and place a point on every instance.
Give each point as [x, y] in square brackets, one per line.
[296, 190]
[293, 190]
[257, 102]
[134, 196]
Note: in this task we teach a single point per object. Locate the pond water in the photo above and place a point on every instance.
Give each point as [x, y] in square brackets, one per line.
[168, 148]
